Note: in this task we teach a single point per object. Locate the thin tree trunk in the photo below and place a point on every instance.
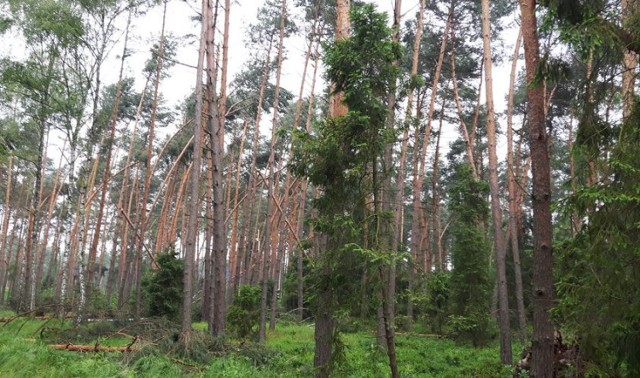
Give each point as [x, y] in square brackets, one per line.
[271, 181]
[399, 211]
[496, 211]
[303, 200]
[14, 289]
[125, 255]
[386, 233]
[469, 142]
[513, 224]
[107, 164]
[125, 213]
[576, 224]
[85, 202]
[54, 266]
[31, 249]
[194, 204]
[34, 218]
[418, 229]
[543, 340]
[4, 252]
[148, 170]
[45, 236]
[290, 195]
[435, 196]
[234, 258]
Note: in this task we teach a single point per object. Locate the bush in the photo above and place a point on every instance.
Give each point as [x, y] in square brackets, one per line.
[473, 327]
[244, 314]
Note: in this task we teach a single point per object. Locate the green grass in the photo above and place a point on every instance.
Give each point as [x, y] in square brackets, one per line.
[288, 353]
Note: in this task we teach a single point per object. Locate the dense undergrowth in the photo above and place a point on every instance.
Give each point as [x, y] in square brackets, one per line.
[288, 353]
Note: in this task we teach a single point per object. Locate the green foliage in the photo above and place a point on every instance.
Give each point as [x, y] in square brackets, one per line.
[290, 287]
[434, 301]
[164, 286]
[51, 21]
[470, 283]
[288, 353]
[342, 159]
[597, 271]
[360, 66]
[244, 314]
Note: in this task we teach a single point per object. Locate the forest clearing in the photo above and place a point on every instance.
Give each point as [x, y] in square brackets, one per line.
[320, 188]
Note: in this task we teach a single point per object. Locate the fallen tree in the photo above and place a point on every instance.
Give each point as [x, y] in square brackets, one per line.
[92, 348]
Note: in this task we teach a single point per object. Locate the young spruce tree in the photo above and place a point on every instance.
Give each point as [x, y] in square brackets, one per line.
[470, 280]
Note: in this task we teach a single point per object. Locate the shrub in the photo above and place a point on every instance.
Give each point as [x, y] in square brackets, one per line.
[244, 314]
[163, 287]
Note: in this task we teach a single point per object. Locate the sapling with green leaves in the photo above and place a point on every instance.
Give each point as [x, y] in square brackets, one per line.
[344, 161]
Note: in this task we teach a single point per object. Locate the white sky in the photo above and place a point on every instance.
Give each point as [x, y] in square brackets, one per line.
[243, 12]
[181, 79]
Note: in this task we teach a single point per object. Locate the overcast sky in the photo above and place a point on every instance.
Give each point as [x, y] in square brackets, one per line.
[181, 79]
[243, 13]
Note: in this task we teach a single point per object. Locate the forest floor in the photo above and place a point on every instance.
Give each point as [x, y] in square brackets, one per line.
[25, 351]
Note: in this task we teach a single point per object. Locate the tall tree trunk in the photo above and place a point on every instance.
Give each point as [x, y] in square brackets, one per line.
[216, 133]
[513, 205]
[269, 248]
[194, 204]
[399, 202]
[386, 233]
[496, 211]
[543, 341]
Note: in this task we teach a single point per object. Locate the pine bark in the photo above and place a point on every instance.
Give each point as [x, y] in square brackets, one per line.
[216, 133]
[194, 204]
[543, 340]
[496, 211]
